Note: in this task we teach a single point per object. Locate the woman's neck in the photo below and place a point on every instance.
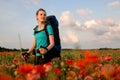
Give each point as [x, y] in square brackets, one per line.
[41, 25]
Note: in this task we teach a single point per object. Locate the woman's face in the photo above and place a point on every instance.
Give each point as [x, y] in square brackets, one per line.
[41, 16]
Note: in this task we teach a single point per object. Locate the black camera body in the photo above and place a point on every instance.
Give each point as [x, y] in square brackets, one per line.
[26, 55]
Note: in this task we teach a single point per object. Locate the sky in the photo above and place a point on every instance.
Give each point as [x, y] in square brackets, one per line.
[83, 24]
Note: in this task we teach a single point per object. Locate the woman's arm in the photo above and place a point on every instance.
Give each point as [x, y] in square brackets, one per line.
[50, 46]
[51, 40]
[33, 46]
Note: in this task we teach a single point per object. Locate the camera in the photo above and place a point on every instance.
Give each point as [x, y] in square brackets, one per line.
[25, 55]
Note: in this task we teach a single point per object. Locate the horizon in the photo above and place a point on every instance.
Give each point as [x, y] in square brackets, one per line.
[66, 48]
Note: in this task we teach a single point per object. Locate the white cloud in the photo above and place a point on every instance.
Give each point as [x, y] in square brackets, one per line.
[118, 27]
[103, 31]
[104, 39]
[108, 22]
[36, 2]
[99, 27]
[64, 39]
[77, 23]
[92, 23]
[72, 36]
[1, 41]
[114, 4]
[67, 19]
[115, 29]
[106, 32]
[69, 37]
[84, 12]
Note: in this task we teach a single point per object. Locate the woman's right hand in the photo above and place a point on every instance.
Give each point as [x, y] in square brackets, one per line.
[43, 51]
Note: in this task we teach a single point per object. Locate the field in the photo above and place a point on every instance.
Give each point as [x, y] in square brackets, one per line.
[74, 65]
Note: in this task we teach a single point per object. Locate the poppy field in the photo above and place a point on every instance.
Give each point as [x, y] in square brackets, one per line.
[74, 65]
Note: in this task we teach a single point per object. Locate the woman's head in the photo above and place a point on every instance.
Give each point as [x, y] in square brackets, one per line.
[41, 15]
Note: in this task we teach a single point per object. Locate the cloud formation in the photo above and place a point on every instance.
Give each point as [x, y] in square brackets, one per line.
[114, 4]
[35, 2]
[84, 12]
[101, 29]
[67, 19]
[72, 36]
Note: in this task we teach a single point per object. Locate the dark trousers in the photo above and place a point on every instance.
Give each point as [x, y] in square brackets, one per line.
[47, 57]
[39, 60]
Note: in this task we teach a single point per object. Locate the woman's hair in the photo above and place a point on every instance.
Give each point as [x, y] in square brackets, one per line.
[40, 10]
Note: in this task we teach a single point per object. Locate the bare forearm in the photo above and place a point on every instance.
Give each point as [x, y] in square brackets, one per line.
[32, 47]
[51, 39]
[50, 46]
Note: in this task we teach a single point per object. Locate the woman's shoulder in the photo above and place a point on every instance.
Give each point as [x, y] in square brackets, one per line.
[49, 25]
[36, 27]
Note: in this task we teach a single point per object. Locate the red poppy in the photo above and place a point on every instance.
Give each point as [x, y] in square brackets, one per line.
[49, 63]
[40, 69]
[69, 78]
[108, 71]
[5, 77]
[48, 66]
[69, 62]
[119, 57]
[92, 58]
[107, 57]
[82, 72]
[15, 61]
[88, 78]
[57, 71]
[26, 68]
[71, 74]
[81, 63]
[118, 69]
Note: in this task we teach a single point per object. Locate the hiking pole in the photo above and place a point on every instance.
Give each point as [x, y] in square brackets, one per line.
[25, 55]
[20, 44]
[42, 56]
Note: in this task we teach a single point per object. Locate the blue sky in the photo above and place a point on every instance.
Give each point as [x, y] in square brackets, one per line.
[84, 24]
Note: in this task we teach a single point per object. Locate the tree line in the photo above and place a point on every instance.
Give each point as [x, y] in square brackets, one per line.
[2, 49]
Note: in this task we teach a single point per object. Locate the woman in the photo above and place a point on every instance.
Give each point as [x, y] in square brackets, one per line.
[40, 38]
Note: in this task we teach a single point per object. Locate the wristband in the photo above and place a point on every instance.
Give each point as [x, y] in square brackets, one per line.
[46, 49]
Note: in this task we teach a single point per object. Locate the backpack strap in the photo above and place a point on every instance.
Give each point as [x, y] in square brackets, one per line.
[35, 30]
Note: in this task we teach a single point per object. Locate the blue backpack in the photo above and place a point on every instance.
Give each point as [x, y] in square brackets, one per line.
[55, 51]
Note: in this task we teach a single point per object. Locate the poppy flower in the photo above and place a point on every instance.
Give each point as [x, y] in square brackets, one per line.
[88, 78]
[41, 70]
[5, 77]
[69, 62]
[15, 61]
[26, 68]
[57, 71]
[108, 71]
[71, 74]
[92, 58]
